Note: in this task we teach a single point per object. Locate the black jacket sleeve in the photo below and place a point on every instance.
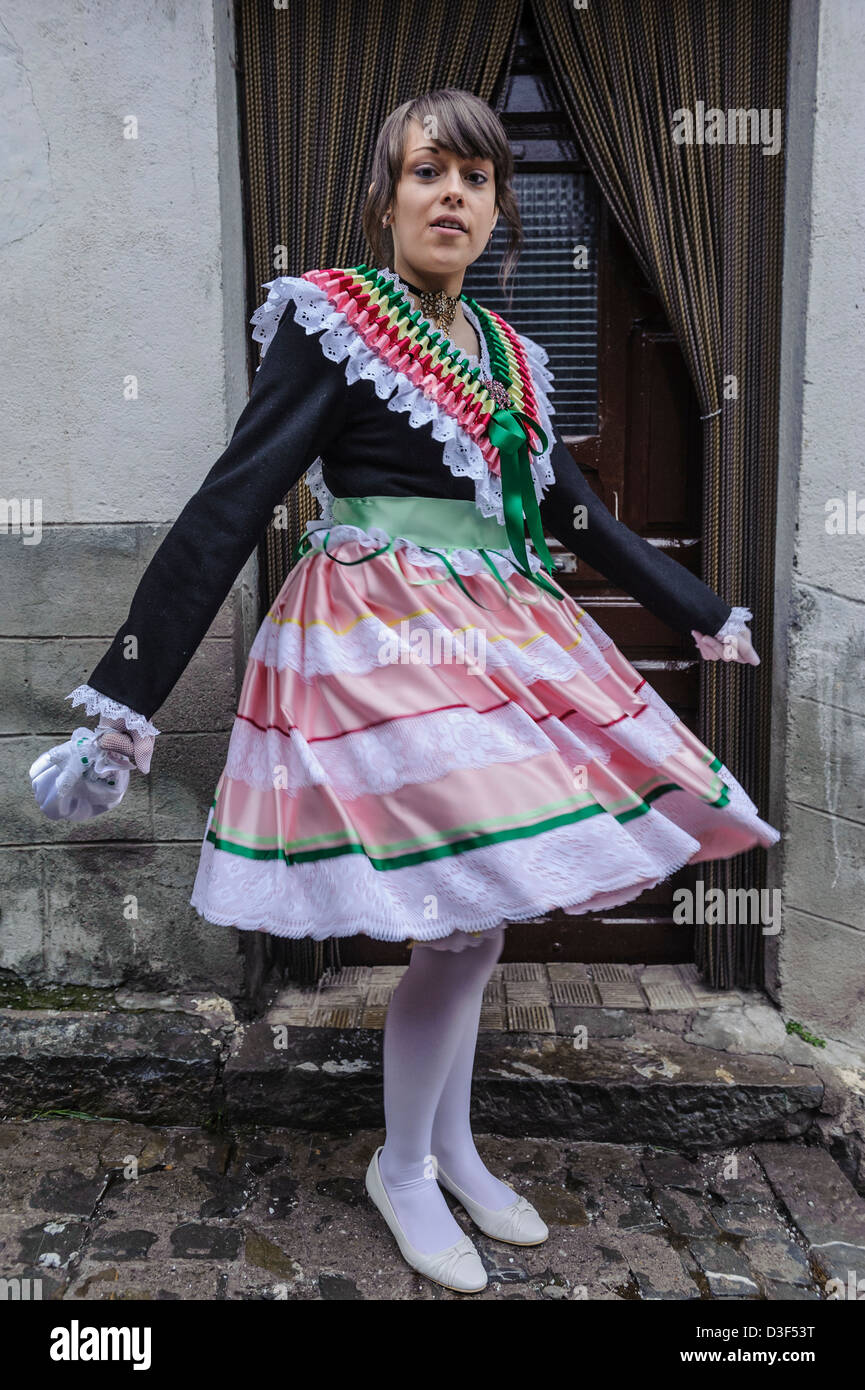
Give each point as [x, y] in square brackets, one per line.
[675, 595]
[295, 409]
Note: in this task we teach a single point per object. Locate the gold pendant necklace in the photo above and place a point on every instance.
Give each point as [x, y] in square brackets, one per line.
[435, 304]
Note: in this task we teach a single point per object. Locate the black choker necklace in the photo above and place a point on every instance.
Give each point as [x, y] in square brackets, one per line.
[435, 304]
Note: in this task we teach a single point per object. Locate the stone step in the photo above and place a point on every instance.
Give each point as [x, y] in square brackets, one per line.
[701, 1077]
[156, 1064]
[624, 1089]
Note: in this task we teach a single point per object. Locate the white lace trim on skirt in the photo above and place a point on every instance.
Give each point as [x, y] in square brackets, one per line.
[405, 752]
[581, 867]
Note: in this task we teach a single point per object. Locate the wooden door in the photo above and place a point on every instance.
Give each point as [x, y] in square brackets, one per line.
[643, 461]
[627, 410]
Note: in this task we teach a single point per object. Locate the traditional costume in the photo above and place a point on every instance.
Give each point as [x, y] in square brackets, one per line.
[431, 736]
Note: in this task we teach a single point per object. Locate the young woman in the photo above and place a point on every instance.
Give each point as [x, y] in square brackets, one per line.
[432, 738]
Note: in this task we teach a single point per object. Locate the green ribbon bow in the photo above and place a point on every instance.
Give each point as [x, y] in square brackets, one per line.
[507, 431]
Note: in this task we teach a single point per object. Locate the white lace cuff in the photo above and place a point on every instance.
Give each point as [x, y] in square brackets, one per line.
[97, 703]
[738, 619]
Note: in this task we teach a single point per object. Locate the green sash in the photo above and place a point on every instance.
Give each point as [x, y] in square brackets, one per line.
[435, 524]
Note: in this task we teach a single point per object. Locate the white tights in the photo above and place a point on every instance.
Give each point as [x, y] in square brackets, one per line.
[430, 1036]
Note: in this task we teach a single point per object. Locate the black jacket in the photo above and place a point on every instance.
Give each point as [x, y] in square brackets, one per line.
[301, 406]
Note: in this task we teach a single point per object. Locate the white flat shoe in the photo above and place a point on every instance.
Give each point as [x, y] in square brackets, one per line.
[518, 1223]
[458, 1267]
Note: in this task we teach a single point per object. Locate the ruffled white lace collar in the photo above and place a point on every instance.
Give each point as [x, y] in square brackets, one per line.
[340, 341]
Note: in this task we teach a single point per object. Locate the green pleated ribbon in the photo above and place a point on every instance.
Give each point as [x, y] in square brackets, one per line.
[507, 431]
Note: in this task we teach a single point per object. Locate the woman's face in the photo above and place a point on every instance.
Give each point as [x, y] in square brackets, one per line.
[436, 183]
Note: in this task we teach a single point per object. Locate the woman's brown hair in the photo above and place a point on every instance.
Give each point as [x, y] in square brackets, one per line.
[462, 122]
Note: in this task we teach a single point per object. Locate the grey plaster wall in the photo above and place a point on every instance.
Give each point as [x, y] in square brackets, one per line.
[818, 961]
[121, 265]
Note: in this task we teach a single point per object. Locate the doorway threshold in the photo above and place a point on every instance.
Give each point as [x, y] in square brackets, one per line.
[520, 996]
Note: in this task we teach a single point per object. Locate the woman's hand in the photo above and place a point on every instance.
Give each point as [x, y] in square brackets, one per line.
[89, 774]
[76, 780]
[735, 648]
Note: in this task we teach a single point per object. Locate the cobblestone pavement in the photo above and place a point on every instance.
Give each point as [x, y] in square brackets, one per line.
[97, 1209]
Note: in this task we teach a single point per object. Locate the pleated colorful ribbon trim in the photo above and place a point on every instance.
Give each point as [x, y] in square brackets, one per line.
[382, 315]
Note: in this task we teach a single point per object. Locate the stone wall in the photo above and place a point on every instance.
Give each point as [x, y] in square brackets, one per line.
[125, 368]
[818, 962]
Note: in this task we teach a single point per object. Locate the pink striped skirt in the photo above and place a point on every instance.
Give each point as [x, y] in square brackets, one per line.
[406, 763]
